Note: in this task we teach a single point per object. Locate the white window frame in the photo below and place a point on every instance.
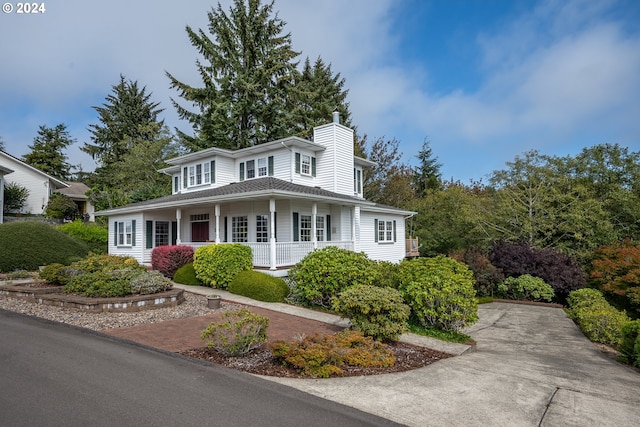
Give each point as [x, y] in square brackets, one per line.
[305, 228]
[262, 228]
[385, 231]
[161, 235]
[240, 229]
[125, 233]
[305, 164]
[262, 169]
[197, 174]
[320, 228]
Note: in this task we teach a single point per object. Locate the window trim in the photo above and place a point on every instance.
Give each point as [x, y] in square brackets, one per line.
[385, 231]
[198, 174]
[124, 233]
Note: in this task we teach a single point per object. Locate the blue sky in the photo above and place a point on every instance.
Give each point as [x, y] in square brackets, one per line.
[483, 80]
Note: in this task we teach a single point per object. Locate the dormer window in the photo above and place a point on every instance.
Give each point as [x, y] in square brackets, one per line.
[248, 170]
[305, 164]
[198, 174]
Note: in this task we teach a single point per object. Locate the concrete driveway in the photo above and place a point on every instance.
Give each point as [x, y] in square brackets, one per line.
[532, 367]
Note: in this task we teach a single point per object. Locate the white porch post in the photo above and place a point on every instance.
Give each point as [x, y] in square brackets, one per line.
[272, 234]
[314, 235]
[217, 212]
[356, 229]
[178, 218]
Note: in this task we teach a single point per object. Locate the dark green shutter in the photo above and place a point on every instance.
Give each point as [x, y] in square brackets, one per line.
[375, 227]
[149, 236]
[226, 237]
[394, 230]
[174, 232]
[328, 228]
[270, 161]
[297, 162]
[275, 225]
[242, 171]
[296, 227]
[133, 232]
[313, 166]
[213, 171]
[185, 175]
[115, 233]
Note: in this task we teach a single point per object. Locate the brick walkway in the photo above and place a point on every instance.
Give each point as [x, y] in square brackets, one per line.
[184, 334]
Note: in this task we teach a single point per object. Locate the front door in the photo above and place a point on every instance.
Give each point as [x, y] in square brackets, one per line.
[199, 231]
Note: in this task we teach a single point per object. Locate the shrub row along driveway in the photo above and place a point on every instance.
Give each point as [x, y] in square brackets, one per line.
[532, 367]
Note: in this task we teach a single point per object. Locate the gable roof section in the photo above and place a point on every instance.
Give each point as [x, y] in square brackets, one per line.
[56, 182]
[261, 187]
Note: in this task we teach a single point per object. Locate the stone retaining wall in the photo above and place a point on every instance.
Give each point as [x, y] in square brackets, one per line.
[54, 296]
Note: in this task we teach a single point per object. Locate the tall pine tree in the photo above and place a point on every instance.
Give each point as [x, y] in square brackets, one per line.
[317, 93]
[47, 151]
[125, 117]
[247, 72]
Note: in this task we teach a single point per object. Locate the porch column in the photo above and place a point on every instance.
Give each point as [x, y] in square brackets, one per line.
[217, 212]
[178, 218]
[272, 234]
[314, 235]
[356, 228]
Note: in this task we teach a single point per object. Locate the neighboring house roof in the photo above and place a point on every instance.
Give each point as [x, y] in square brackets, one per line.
[55, 181]
[260, 187]
[76, 190]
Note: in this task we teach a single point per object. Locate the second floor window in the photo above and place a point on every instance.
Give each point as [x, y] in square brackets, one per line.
[198, 174]
[248, 169]
[305, 164]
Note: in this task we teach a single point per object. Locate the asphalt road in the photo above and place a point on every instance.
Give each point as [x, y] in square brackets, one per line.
[54, 374]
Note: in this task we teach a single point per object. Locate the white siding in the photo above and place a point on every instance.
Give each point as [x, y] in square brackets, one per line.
[382, 251]
[335, 164]
[137, 250]
[38, 184]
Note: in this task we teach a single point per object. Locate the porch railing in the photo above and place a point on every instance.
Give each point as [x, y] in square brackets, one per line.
[287, 253]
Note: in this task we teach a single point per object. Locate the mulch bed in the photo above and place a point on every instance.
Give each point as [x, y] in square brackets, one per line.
[261, 362]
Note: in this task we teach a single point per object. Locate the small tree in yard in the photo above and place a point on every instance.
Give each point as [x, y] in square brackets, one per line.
[60, 206]
[15, 197]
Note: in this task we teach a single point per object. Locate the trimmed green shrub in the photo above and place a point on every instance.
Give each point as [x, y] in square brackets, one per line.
[150, 282]
[94, 235]
[630, 343]
[240, 332]
[217, 265]
[259, 286]
[439, 291]
[376, 312]
[186, 275]
[26, 245]
[321, 356]
[324, 273]
[58, 274]
[596, 318]
[104, 262]
[167, 259]
[103, 284]
[525, 288]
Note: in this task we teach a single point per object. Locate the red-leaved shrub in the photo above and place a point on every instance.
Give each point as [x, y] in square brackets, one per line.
[167, 259]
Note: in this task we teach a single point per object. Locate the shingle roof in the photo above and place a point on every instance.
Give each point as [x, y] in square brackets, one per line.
[267, 186]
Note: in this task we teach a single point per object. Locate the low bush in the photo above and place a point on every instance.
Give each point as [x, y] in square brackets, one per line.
[525, 288]
[94, 235]
[104, 262]
[259, 286]
[217, 265]
[28, 245]
[238, 333]
[186, 275]
[377, 312]
[486, 276]
[103, 284]
[439, 291]
[596, 318]
[56, 273]
[168, 259]
[630, 343]
[150, 282]
[321, 356]
[60, 206]
[324, 273]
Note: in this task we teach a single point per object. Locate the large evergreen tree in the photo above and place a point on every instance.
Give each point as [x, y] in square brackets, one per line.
[427, 176]
[317, 93]
[247, 70]
[124, 118]
[47, 152]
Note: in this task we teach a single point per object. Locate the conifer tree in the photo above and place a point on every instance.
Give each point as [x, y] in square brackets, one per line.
[247, 71]
[317, 94]
[47, 151]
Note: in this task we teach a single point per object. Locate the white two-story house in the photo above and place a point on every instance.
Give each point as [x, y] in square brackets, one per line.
[283, 198]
